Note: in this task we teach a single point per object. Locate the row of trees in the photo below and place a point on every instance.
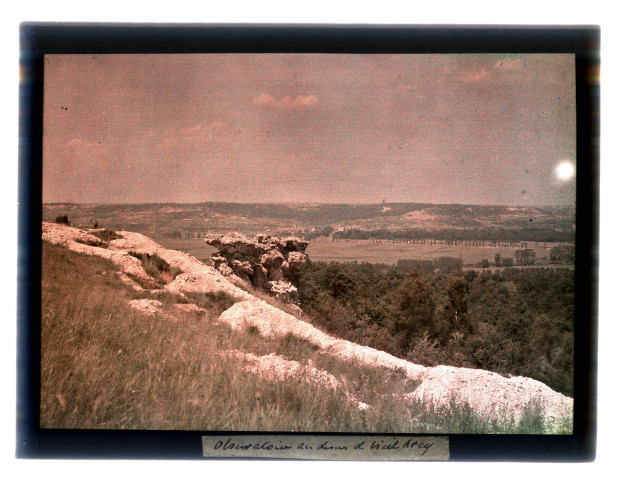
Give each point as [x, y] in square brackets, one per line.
[495, 234]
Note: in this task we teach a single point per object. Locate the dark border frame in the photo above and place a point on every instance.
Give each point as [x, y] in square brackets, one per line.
[38, 39]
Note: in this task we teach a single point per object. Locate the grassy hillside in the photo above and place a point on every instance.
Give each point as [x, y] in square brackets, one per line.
[105, 365]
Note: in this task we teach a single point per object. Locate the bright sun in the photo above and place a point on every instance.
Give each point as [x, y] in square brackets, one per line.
[564, 171]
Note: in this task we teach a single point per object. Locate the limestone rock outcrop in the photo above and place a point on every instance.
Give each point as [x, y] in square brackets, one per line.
[196, 276]
[269, 263]
[503, 400]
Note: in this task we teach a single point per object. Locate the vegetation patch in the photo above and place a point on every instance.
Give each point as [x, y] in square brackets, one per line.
[456, 417]
[157, 267]
[166, 297]
[214, 302]
[148, 283]
[62, 219]
[92, 243]
[514, 322]
[252, 330]
[106, 235]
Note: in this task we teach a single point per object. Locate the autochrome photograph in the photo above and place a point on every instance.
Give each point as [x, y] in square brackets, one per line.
[301, 242]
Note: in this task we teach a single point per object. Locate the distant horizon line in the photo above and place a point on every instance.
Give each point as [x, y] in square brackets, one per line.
[310, 203]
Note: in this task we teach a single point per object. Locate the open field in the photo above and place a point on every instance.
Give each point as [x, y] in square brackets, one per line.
[375, 252]
[194, 246]
[390, 253]
[379, 233]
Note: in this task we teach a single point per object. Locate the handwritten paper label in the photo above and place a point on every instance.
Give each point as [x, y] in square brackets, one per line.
[325, 447]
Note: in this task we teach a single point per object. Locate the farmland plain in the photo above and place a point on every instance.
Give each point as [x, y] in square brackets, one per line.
[376, 233]
[385, 252]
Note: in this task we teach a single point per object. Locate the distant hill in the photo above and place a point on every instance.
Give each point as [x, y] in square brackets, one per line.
[312, 220]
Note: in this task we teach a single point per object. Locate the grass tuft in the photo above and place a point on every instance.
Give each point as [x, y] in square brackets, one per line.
[106, 235]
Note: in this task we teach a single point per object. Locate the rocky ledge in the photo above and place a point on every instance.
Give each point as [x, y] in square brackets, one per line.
[269, 263]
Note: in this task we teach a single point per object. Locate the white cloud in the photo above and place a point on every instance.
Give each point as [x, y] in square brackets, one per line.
[483, 74]
[201, 133]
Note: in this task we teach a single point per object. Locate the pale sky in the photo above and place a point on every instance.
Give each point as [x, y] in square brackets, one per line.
[469, 129]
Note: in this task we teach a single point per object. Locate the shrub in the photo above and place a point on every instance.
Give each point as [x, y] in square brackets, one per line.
[214, 302]
[63, 219]
[157, 267]
[252, 329]
[91, 243]
[106, 235]
[175, 271]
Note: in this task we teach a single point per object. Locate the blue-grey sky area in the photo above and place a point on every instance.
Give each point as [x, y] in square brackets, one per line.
[469, 129]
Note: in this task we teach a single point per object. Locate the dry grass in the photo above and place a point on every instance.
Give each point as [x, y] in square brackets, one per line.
[157, 268]
[105, 234]
[104, 365]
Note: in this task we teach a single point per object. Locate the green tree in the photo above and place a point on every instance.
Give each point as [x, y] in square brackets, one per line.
[62, 219]
[415, 309]
[454, 317]
[338, 282]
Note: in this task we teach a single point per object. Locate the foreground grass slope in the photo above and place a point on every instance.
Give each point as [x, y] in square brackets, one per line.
[105, 365]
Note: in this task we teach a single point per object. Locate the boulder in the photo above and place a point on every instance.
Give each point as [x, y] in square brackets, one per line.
[284, 291]
[272, 259]
[231, 243]
[293, 244]
[242, 266]
[263, 261]
[295, 264]
[276, 275]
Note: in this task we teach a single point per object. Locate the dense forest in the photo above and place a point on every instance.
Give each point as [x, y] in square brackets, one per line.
[513, 321]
